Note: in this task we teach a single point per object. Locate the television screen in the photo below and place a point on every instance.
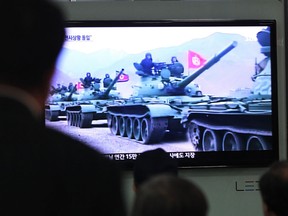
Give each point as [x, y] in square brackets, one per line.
[205, 91]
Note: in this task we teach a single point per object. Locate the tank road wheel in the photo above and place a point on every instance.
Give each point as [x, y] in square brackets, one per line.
[122, 126]
[145, 130]
[109, 121]
[51, 115]
[75, 116]
[108, 116]
[114, 125]
[257, 143]
[68, 117]
[210, 140]
[231, 142]
[194, 135]
[84, 120]
[137, 129]
[129, 127]
[153, 129]
[77, 119]
[72, 119]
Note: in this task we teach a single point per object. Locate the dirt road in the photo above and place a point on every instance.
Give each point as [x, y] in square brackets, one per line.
[100, 138]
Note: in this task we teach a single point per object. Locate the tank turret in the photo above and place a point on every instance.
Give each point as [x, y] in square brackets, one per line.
[112, 84]
[57, 102]
[95, 93]
[92, 102]
[164, 84]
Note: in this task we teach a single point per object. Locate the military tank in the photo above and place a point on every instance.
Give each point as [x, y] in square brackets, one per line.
[57, 102]
[236, 124]
[159, 102]
[92, 104]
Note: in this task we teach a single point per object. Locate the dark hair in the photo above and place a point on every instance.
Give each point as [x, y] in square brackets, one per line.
[151, 163]
[165, 195]
[174, 57]
[148, 54]
[273, 186]
[32, 37]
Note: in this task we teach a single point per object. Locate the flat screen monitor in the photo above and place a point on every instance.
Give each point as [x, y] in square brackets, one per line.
[203, 90]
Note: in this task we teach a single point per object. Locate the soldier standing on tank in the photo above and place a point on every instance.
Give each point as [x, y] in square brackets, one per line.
[107, 81]
[58, 88]
[262, 76]
[263, 38]
[174, 59]
[87, 81]
[61, 89]
[55, 90]
[176, 68]
[96, 84]
[147, 64]
[72, 88]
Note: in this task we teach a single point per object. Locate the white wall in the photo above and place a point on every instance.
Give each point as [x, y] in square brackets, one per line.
[226, 189]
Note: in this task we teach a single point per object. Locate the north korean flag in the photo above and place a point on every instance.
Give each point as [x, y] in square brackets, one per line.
[123, 78]
[195, 60]
[79, 85]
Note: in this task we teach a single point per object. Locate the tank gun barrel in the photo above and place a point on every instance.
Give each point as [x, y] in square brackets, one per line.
[107, 91]
[210, 63]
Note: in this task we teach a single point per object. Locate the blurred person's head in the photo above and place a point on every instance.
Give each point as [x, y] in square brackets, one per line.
[274, 189]
[153, 162]
[166, 195]
[148, 56]
[32, 37]
[174, 59]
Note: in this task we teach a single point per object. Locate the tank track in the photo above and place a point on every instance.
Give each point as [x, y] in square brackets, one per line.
[206, 136]
[144, 129]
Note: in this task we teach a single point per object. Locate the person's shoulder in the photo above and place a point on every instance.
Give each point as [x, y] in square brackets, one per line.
[61, 140]
[75, 151]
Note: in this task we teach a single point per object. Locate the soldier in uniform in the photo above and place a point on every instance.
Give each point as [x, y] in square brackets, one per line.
[262, 76]
[87, 81]
[176, 68]
[107, 81]
[147, 64]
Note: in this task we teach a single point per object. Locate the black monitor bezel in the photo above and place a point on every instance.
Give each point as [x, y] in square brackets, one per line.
[212, 159]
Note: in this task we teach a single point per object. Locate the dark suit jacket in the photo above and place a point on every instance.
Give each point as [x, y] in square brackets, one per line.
[43, 172]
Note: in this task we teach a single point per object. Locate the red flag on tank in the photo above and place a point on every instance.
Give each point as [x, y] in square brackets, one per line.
[79, 85]
[195, 60]
[123, 78]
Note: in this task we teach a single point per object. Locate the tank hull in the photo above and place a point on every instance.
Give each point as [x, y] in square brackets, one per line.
[143, 123]
[147, 121]
[57, 109]
[82, 114]
[233, 126]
